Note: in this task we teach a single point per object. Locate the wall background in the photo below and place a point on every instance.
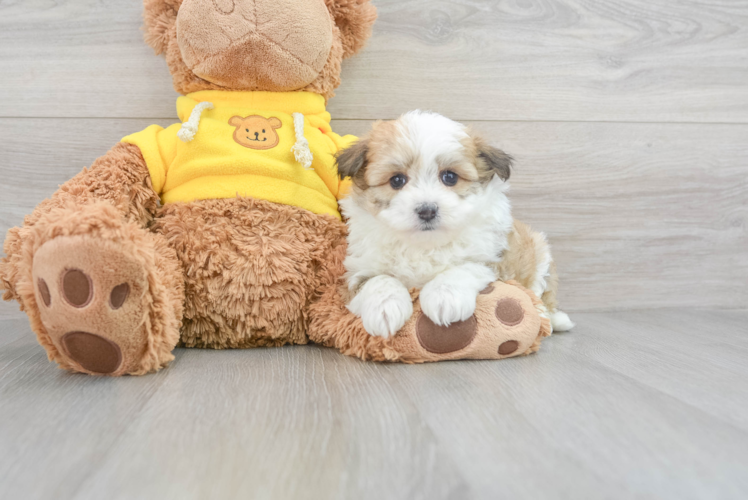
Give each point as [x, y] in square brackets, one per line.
[628, 120]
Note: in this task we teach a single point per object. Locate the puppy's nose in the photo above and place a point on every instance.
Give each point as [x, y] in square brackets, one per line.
[427, 212]
[257, 135]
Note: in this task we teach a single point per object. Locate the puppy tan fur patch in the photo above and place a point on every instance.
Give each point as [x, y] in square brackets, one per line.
[373, 161]
[522, 261]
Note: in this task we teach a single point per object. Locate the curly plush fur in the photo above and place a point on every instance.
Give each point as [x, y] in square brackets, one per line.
[111, 202]
[251, 268]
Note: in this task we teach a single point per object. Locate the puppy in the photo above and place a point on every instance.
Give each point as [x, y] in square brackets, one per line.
[428, 210]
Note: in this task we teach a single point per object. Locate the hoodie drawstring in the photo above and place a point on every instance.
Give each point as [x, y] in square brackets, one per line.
[189, 128]
[301, 150]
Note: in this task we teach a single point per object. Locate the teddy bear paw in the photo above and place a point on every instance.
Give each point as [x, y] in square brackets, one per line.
[90, 295]
[506, 323]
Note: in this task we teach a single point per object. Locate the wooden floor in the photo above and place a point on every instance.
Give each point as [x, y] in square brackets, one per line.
[629, 123]
[640, 404]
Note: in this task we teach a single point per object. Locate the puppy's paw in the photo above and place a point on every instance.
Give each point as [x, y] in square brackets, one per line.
[386, 317]
[384, 306]
[445, 304]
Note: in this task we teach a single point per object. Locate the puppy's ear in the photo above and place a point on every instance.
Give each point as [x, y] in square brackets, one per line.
[351, 161]
[159, 16]
[492, 160]
[354, 18]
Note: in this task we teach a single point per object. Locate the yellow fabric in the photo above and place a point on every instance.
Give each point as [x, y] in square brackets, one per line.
[214, 165]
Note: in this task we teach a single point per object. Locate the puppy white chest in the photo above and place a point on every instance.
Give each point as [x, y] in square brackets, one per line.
[374, 250]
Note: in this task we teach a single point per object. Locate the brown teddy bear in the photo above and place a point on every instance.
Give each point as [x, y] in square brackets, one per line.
[223, 231]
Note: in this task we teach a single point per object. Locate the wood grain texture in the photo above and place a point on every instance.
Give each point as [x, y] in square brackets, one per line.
[629, 122]
[628, 405]
[639, 215]
[570, 427]
[50, 431]
[715, 343]
[631, 60]
[12, 329]
[9, 310]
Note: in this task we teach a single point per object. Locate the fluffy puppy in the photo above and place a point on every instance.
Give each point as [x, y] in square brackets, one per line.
[428, 209]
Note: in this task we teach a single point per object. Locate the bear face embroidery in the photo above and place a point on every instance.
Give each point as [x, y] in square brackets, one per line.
[256, 132]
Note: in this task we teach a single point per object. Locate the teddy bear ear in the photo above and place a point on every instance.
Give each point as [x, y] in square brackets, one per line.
[235, 121]
[354, 19]
[159, 17]
[275, 122]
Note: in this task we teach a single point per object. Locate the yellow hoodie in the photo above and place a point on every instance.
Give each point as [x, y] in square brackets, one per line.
[251, 144]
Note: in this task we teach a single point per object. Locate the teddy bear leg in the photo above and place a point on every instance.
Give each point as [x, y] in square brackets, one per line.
[506, 323]
[104, 295]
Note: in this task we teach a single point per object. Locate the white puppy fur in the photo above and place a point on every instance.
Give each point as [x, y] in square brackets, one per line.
[443, 238]
[383, 304]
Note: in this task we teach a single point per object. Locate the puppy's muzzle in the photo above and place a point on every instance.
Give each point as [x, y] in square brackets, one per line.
[427, 212]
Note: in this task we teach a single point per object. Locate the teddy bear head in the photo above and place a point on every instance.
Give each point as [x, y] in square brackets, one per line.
[272, 45]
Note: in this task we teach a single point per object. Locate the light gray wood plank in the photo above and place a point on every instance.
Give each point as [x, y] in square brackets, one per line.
[80, 58]
[694, 356]
[296, 422]
[638, 215]
[561, 425]
[307, 422]
[12, 329]
[9, 310]
[35, 172]
[56, 427]
[631, 60]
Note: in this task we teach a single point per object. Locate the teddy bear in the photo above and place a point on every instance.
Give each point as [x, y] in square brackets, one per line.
[223, 230]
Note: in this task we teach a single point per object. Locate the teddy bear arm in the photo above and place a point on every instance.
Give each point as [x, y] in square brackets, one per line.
[120, 177]
[86, 269]
[507, 323]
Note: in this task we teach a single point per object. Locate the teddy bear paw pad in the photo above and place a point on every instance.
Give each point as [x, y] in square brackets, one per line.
[91, 297]
[508, 347]
[93, 352]
[445, 339]
[509, 312]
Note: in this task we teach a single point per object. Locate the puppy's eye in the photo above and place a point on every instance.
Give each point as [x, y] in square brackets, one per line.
[263, 131]
[398, 181]
[448, 178]
[246, 129]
